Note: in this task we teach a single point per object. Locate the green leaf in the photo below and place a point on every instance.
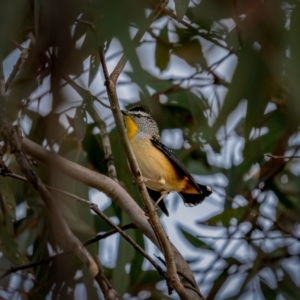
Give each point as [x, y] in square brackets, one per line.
[268, 293]
[192, 238]
[94, 67]
[146, 281]
[126, 252]
[9, 248]
[288, 287]
[162, 49]
[36, 17]
[181, 7]
[240, 88]
[191, 53]
[136, 271]
[8, 198]
[197, 107]
[80, 123]
[292, 68]
[92, 145]
[226, 216]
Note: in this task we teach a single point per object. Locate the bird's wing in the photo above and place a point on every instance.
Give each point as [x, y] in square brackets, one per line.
[175, 161]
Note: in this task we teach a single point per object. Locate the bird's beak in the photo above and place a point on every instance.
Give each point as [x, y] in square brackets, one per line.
[124, 113]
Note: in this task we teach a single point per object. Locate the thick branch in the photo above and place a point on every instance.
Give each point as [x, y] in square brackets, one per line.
[153, 217]
[103, 216]
[117, 194]
[65, 236]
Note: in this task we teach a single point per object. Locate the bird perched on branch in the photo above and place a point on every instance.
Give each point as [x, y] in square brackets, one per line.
[161, 169]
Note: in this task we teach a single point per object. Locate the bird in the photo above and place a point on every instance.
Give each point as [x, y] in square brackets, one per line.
[161, 170]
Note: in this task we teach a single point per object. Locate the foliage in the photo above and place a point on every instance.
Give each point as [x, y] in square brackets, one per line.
[223, 73]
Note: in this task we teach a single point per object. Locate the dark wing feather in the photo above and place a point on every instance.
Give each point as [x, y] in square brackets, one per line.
[155, 196]
[175, 160]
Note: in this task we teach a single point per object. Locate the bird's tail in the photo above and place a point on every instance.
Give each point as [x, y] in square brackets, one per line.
[194, 199]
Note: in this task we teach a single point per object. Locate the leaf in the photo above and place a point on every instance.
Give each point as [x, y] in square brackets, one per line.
[93, 146]
[36, 17]
[80, 28]
[94, 67]
[80, 123]
[162, 49]
[8, 198]
[192, 239]
[240, 88]
[226, 216]
[181, 7]
[121, 278]
[137, 263]
[9, 248]
[146, 281]
[293, 69]
[269, 294]
[288, 287]
[197, 107]
[191, 53]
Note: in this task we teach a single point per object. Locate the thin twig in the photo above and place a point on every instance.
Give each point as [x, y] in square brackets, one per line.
[89, 24]
[112, 173]
[281, 156]
[244, 237]
[138, 36]
[95, 208]
[21, 60]
[109, 293]
[110, 82]
[49, 259]
[115, 192]
[77, 87]
[153, 218]
[206, 36]
[65, 236]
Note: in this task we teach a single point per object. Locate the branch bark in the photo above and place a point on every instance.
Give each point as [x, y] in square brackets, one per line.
[109, 293]
[49, 259]
[119, 196]
[105, 140]
[154, 221]
[64, 235]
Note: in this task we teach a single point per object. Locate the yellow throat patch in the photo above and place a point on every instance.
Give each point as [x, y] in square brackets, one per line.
[132, 128]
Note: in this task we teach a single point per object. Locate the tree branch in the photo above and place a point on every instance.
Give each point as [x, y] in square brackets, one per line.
[109, 293]
[21, 60]
[122, 62]
[110, 83]
[117, 193]
[112, 173]
[79, 88]
[65, 253]
[95, 208]
[150, 210]
[281, 156]
[62, 231]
